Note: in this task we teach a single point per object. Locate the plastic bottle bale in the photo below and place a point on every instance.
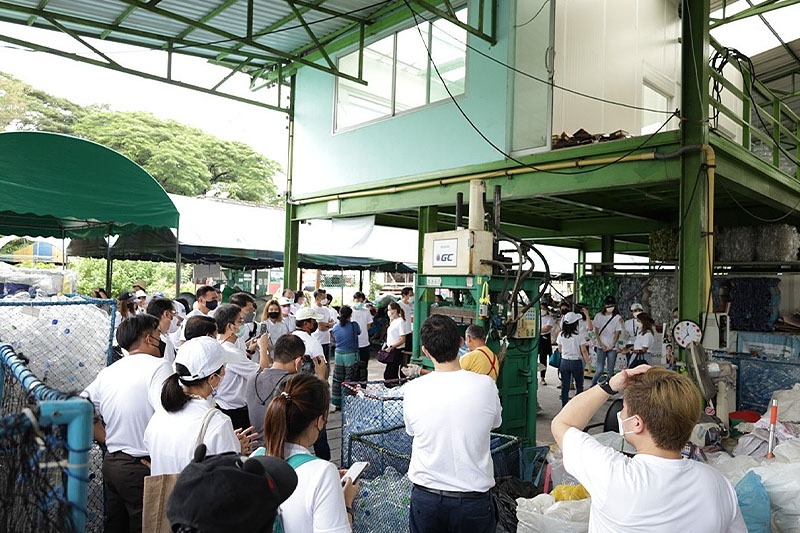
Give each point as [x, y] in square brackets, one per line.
[752, 303]
[739, 244]
[663, 298]
[629, 292]
[382, 505]
[777, 242]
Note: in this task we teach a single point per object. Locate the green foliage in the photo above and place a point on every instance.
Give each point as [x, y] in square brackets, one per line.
[159, 276]
[183, 159]
[12, 246]
[594, 290]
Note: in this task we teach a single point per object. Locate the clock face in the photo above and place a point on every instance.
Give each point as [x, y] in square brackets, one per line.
[687, 332]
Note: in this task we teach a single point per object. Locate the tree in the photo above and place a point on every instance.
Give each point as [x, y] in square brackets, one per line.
[183, 159]
[160, 277]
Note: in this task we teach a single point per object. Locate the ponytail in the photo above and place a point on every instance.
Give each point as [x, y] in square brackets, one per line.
[396, 306]
[304, 398]
[173, 398]
[344, 315]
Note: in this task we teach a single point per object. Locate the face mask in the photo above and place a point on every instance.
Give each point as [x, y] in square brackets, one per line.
[358, 305]
[211, 304]
[285, 311]
[314, 327]
[214, 391]
[637, 313]
[620, 422]
[173, 325]
[273, 315]
[325, 303]
[241, 331]
[162, 346]
[609, 309]
[249, 317]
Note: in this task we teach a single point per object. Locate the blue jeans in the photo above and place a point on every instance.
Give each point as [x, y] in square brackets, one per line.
[431, 513]
[570, 369]
[604, 357]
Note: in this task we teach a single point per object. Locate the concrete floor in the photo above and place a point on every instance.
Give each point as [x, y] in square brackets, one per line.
[549, 400]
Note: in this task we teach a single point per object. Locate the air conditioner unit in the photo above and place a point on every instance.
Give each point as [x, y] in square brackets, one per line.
[717, 332]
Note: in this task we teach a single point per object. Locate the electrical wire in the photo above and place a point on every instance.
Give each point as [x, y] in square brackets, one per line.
[534, 16]
[509, 156]
[750, 213]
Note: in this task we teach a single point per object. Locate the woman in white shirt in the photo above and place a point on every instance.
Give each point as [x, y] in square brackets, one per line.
[275, 324]
[639, 353]
[608, 326]
[572, 346]
[395, 340]
[294, 420]
[189, 417]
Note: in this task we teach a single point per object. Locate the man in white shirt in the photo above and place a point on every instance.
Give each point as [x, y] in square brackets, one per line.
[450, 413]
[657, 490]
[246, 342]
[125, 395]
[238, 367]
[546, 324]
[168, 323]
[363, 317]
[407, 304]
[206, 303]
[307, 320]
[324, 324]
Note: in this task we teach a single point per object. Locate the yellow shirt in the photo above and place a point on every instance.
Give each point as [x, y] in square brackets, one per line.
[481, 361]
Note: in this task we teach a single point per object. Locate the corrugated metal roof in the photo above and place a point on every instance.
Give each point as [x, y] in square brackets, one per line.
[778, 61]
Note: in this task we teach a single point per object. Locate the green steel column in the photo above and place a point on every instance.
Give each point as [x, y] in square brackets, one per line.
[580, 271]
[607, 251]
[292, 229]
[693, 262]
[427, 222]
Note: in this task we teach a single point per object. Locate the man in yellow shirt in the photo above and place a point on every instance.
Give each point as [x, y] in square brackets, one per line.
[480, 358]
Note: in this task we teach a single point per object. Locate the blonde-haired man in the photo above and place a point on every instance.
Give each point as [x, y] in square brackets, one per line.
[657, 490]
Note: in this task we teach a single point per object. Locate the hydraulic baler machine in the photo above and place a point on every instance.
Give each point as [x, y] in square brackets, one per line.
[490, 278]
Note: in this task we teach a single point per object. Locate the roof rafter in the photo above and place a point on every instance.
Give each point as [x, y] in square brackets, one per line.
[760, 9]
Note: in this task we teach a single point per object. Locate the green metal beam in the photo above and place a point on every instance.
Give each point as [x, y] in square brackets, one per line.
[317, 6]
[311, 35]
[491, 39]
[208, 16]
[235, 38]
[141, 74]
[41, 6]
[427, 224]
[752, 11]
[786, 47]
[694, 260]
[119, 20]
[781, 75]
[292, 226]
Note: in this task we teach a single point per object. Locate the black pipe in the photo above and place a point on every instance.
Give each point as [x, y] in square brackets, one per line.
[459, 209]
[497, 206]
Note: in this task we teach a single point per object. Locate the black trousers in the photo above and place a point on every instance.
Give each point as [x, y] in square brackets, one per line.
[363, 363]
[545, 351]
[123, 477]
[326, 351]
[239, 417]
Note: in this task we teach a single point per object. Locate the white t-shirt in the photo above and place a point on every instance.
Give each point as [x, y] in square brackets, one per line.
[450, 415]
[610, 324]
[643, 341]
[324, 337]
[178, 337]
[238, 369]
[648, 493]
[313, 348]
[408, 309]
[363, 318]
[169, 350]
[396, 329]
[317, 504]
[126, 394]
[547, 320]
[632, 329]
[170, 437]
[571, 346]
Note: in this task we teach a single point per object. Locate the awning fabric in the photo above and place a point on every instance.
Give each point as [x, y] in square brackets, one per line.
[240, 235]
[55, 185]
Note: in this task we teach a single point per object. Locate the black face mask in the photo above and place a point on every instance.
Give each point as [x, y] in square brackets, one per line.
[314, 327]
[211, 305]
[162, 347]
[273, 314]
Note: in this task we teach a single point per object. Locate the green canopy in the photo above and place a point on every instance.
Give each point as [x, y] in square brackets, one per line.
[56, 185]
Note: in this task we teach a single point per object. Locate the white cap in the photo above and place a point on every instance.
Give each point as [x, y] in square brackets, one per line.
[636, 307]
[307, 312]
[140, 294]
[284, 301]
[571, 318]
[202, 356]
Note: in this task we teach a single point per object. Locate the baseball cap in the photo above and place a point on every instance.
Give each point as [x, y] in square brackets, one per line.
[125, 296]
[284, 301]
[229, 492]
[307, 312]
[571, 317]
[636, 307]
[140, 294]
[202, 356]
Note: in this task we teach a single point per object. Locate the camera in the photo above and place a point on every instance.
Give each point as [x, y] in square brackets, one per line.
[307, 365]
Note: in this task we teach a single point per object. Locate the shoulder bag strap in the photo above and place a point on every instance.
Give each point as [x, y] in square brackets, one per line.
[204, 426]
[300, 459]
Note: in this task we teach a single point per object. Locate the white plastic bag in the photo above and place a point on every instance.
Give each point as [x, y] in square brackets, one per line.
[543, 514]
[782, 482]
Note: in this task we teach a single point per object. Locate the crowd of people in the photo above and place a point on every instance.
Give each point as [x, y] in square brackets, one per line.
[193, 392]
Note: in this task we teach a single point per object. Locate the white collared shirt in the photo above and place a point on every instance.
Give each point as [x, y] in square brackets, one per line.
[238, 369]
[313, 348]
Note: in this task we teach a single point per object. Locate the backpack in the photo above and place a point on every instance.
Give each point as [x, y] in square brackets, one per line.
[295, 462]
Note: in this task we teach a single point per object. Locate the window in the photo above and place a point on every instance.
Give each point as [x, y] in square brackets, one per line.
[399, 72]
[654, 99]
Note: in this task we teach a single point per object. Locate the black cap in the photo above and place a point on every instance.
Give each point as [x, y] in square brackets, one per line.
[228, 492]
[125, 296]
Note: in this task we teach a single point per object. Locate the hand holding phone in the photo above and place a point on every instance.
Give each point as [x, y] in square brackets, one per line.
[355, 471]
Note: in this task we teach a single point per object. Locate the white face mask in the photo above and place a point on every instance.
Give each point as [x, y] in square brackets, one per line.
[637, 313]
[610, 309]
[173, 325]
[620, 422]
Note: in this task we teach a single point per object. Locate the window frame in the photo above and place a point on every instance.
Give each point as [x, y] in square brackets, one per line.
[429, 72]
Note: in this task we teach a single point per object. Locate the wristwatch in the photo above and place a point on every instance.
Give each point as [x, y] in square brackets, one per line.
[603, 382]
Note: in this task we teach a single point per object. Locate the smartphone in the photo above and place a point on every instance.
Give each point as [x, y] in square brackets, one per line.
[355, 471]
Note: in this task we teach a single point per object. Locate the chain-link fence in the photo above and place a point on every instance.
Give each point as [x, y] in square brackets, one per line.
[45, 437]
[65, 341]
